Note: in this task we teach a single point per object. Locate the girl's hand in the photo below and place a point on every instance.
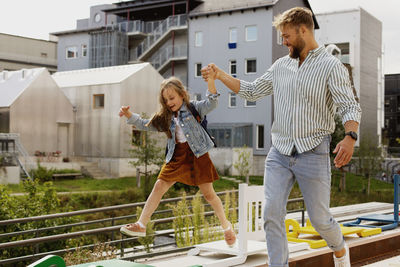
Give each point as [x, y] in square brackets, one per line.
[124, 111]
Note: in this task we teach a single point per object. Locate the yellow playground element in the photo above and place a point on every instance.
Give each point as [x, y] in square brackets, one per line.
[293, 230]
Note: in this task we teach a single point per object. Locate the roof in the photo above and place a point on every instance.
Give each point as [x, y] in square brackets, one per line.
[209, 7]
[96, 76]
[14, 83]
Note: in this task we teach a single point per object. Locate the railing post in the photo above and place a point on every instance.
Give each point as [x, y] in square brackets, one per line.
[112, 233]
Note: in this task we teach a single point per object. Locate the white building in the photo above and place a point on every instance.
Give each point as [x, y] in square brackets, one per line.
[97, 95]
[359, 36]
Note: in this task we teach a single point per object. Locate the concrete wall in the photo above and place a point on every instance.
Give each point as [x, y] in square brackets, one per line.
[215, 49]
[43, 117]
[15, 56]
[9, 175]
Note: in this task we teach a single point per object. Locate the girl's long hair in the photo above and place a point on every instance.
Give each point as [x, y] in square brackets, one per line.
[162, 119]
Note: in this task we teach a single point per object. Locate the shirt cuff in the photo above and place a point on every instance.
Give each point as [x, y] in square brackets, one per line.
[244, 87]
[212, 96]
[133, 118]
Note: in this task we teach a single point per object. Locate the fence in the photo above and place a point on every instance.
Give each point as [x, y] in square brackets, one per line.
[109, 229]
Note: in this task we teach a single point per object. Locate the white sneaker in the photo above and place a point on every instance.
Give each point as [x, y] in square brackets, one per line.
[343, 261]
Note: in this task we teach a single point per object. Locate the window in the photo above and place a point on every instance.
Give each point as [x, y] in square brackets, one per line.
[260, 136]
[136, 137]
[251, 66]
[197, 70]
[251, 33]
[71, 52]
[232, 68]
[250, 103]
[233, 35]
[198, 39]
[84, 50]
[232, 100]
[279, 38]
[98, 101]
[197, 97]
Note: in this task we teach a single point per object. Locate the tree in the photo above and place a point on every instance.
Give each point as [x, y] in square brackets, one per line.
[242, 165]
[369, 158]
[146, 152]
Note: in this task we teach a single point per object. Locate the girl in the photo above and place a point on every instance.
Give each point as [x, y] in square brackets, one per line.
[187, 159]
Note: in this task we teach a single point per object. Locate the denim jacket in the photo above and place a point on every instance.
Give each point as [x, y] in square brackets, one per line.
[197, 138]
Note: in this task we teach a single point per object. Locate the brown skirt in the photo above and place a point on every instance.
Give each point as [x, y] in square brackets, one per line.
[185, 168]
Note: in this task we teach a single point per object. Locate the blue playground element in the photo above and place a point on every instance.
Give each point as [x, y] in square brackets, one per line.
[389, 221]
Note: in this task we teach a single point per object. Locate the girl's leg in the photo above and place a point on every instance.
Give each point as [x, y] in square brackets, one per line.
[159, 189]
[209, 194]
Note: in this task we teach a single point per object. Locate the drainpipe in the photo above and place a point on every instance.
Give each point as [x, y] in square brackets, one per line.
[173, 43]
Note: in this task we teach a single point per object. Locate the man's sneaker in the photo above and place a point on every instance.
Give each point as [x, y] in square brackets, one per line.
[343, 261]
[133, 229]
[230, 237]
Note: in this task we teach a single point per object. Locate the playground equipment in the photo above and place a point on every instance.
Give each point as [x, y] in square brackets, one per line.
[383, 221]
[251, 236]
[293, 230]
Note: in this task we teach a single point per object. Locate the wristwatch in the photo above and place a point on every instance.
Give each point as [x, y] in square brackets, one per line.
[352, 135]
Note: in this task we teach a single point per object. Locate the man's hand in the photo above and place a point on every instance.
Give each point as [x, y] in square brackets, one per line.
[344, 150]
[210, 71]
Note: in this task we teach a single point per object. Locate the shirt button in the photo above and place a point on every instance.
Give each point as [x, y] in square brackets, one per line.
[187, 135]
[182, 125]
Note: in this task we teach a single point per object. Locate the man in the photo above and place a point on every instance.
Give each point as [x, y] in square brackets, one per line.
[308, 85]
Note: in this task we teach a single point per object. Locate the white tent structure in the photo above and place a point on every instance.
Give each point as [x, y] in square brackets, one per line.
[97, 95]
[33, 106]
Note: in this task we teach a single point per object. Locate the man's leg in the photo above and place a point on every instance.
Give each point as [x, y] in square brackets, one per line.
[313, 173]
[278, 181]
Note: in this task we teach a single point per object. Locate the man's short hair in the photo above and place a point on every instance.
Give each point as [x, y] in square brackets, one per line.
[295, 17]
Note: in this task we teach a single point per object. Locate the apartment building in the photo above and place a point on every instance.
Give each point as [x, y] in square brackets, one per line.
[392, 113]
[358, 35]
[14, 54]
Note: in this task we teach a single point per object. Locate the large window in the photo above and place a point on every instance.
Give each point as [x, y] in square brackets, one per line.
[232, 100]
[251, 66]
[197, 70]
[233, 35]
[251, 33]
[232, 136]
[71, 52]
[260, 136]
[232, 68]
[198, 39]
[98, 101]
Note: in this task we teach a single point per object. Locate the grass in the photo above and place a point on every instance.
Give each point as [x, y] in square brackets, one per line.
[90, 184]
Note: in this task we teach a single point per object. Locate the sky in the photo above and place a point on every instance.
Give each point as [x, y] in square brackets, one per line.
[38, 18]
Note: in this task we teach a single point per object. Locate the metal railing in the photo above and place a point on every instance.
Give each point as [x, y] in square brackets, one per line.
[157, 34]
[167, 53]
[37, 240]
[135, 26]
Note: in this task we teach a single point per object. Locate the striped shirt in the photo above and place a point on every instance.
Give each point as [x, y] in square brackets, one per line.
[306, 99]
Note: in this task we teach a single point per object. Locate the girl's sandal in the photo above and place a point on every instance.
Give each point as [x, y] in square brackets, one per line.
[133, 229]
[230, 237]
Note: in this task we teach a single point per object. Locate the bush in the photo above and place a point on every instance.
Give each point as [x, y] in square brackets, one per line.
[42, 174]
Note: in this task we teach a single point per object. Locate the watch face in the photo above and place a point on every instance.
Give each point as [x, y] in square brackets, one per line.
[97, 17]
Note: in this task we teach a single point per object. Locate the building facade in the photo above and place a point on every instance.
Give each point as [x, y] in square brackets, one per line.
[15, 56]
[392, 113]
[358, 35]
[238, 37]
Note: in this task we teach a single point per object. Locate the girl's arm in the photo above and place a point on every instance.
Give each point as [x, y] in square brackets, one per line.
[135, 119]
[211, 102]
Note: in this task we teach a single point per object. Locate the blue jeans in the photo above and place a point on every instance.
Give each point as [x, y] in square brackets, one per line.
[312, 171]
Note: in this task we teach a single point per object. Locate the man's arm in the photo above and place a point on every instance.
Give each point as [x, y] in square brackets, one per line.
[350, 111]
[229, 81]
[345, 148]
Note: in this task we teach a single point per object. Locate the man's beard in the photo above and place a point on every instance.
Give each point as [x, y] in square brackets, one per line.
[297, 48]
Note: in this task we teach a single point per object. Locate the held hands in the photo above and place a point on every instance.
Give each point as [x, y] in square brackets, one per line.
[124, 111]
[344, 150]
[211, 71]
